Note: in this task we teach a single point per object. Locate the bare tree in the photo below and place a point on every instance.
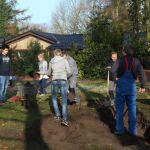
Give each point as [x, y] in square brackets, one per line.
[39, 27]
[24, 27]
[71, 16]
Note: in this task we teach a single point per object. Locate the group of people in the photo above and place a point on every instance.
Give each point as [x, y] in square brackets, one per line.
[63, 70]
[124, 72]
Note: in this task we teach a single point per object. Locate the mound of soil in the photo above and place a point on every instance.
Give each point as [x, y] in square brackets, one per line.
[87, 127]
[147, 134]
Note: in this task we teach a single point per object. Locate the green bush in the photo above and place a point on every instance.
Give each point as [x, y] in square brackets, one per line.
[92, 60]
[97, 52]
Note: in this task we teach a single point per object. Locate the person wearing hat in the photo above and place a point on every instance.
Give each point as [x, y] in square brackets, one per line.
[127, 69]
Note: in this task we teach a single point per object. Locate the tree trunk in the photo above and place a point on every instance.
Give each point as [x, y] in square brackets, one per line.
[148, 22]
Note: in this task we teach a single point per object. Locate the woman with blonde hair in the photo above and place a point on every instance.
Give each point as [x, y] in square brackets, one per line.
[43, 77]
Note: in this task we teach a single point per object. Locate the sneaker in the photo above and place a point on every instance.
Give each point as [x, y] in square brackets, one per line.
[57, 118]
[118, 133]
[64, 123]
[106, 103]
[2, 102]
[71, 103]
[112, 102]
[77, 101]
[132, 134]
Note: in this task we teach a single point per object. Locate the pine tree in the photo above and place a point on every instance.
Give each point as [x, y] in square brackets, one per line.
[5, 16]
[147, 20]
[9, 17]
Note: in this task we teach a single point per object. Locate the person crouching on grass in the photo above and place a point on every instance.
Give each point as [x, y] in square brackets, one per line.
[127, 69]
[43, 77]
[60, 70]
[5, 71]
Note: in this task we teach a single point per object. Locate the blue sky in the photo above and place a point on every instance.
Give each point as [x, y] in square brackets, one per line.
[40, 10]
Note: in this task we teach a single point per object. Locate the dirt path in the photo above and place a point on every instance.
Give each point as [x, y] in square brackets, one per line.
[88, 127]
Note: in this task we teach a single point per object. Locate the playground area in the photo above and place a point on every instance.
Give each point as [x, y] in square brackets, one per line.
[91, 127]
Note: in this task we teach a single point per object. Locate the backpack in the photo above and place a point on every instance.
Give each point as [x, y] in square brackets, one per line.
[2, 42]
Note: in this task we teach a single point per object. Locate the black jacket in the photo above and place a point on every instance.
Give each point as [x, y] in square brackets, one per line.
[137, 69]
[112, 76]
[5, 63]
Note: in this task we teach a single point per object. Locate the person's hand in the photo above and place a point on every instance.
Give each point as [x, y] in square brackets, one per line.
[40, 79]
[142, 90]
[38, 72]
[108, 68]
[10, 77]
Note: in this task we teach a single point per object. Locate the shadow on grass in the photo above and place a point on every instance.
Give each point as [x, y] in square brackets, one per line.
[137, 141]
[143, 111]
[51, 106]
[33, 135]
[10, 139]
[13, 120]
[106, 115]
[12, 91]
[144, 101]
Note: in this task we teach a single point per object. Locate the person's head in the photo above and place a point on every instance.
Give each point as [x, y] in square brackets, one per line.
[114, 56]
[5, 49]
[121, 49]
[65, 54]
[128, 50]
[57, 52]
[41, 57]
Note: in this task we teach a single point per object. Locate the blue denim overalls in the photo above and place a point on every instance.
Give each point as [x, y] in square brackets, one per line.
[126, 92]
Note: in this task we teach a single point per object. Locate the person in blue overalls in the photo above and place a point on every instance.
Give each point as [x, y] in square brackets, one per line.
[127, 69]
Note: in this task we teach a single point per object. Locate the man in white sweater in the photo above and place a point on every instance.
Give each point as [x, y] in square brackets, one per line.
[60, 70]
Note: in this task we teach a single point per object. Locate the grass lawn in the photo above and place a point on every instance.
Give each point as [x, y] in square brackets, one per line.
[94, 90]
[16, 121]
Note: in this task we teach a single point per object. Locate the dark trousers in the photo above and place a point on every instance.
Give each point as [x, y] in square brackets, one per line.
[42, 85]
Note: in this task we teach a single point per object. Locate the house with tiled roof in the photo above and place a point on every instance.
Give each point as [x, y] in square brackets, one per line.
[47, 40]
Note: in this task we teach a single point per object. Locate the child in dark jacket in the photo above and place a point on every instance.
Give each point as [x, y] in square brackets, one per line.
[127, 69]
